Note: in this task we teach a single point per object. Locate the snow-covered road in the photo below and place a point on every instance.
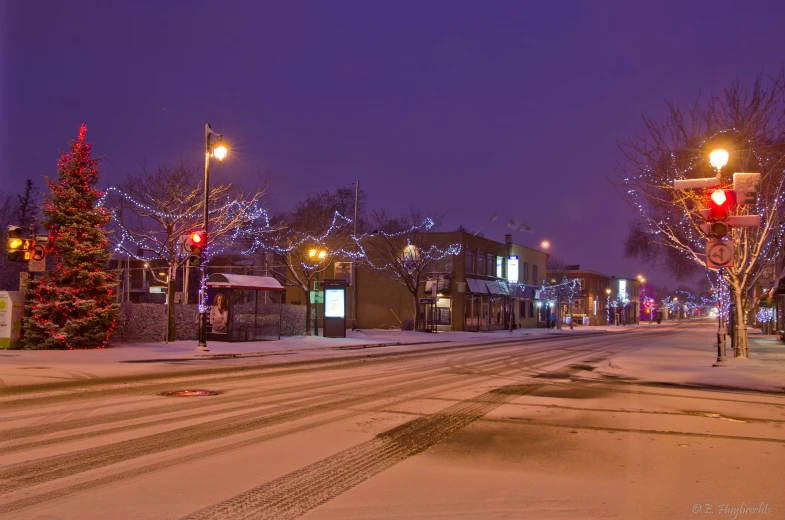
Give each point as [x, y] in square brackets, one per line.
[525, 428]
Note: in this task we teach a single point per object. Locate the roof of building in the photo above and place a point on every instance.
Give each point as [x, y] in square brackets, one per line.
[244, 281]
[576, 271]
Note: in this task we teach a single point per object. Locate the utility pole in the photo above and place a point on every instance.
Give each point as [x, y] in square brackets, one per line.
[354, 263]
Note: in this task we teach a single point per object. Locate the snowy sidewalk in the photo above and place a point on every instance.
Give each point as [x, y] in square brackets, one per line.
[30, 367]
[686, 359]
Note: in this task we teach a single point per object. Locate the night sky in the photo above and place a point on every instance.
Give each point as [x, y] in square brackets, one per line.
[457, 108]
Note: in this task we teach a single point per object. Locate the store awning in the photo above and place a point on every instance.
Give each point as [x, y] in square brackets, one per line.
[244, 281]
[477, 286]
[497, 287]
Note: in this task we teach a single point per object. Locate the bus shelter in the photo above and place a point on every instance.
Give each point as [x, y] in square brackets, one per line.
[243, 308]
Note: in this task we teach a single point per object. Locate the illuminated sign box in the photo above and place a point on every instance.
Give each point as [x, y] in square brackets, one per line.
[512, 269]
[334, 303]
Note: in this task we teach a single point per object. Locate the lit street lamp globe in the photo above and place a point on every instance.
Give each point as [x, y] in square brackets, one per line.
[718, 158]
[220, 150]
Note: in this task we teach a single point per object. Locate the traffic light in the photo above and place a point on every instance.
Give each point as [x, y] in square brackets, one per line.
[194, 245]
[720, 205]
[720, 202]
[18, 249]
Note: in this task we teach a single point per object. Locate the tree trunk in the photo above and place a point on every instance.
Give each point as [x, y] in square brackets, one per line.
[170, 290]
[416, 311]
[307, 312]
[558, 314]
[572, 318]
[740, 348]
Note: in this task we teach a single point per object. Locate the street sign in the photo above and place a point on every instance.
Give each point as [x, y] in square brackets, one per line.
[746, 186]
[744, 221]
[719, 254]
[41, 239]
[316, 296]
[686, 184]
[24, 281]
[37, 262]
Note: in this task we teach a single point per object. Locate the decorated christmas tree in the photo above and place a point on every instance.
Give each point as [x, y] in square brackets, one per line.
[73, 305]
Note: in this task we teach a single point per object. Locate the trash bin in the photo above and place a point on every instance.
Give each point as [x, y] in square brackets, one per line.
[12, 306]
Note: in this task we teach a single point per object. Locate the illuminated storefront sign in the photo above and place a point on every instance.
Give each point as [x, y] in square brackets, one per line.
[623, 295]
[512, 269]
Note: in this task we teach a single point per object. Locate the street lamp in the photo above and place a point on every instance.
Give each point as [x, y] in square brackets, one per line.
[314, 255]
[718, 158]
[545, 244]
[608, 304]
[219, 150]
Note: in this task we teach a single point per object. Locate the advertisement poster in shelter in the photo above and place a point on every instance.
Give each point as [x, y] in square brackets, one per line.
[217, 311]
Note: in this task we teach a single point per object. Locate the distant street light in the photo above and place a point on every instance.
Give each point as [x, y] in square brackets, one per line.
[545, 244]
[219, 150]
[608, 304]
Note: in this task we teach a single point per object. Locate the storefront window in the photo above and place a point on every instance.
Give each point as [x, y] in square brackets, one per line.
[499, 267]
[480, 263]
[469, 262]
[443, 313]
[497, 315]
[490, 266]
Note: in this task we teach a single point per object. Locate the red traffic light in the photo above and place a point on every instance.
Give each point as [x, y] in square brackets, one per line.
[718, 197]
[194, 245]
[720, 202]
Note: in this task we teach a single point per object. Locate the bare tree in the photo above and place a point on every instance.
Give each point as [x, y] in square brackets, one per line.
[749, 124]
[18, 210]
[27, 207]
[406, 251]
[558, 287]
[9, 271]
[154, 212]
[314, 235]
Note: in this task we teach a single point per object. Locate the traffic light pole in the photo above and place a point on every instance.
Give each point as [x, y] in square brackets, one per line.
[202, 346]
[722, 360]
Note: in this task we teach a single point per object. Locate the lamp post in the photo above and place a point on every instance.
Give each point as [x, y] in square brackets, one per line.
[317, 254]
[219, 151]
[608, 304]
[719, 158]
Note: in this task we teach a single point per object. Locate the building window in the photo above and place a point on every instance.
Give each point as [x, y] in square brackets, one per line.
[468, 264]
[525, 272]
[535, 280]
[480, 263]
[499, 267]
[531, 309]
[490, 265]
